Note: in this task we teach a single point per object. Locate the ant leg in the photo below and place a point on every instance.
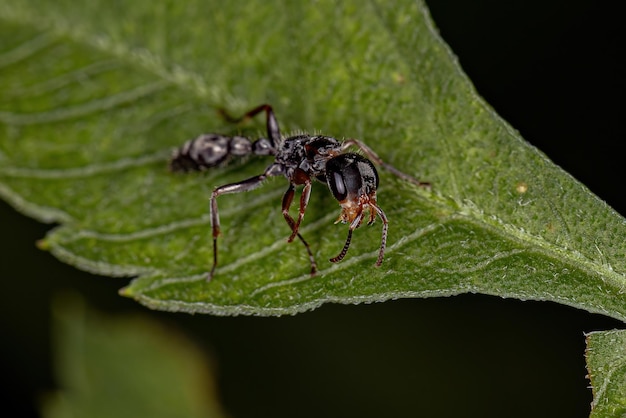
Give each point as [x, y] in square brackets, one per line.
[243, 186]
[287, 199]
[311, 258]
[304, 201]
[374, 157]
[273, 131]
[298, 177]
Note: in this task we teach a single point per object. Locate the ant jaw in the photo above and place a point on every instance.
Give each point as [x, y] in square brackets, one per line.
[352, 210]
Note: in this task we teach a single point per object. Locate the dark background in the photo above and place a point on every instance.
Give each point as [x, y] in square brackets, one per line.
[548, 67]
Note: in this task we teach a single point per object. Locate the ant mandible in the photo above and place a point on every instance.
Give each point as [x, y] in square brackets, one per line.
[351, 177]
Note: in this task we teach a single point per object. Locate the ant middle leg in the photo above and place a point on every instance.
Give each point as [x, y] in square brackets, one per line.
[242, 186]
[309, 253]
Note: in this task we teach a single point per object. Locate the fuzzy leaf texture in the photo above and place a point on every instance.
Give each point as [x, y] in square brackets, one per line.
[96, 95]
[606, 362]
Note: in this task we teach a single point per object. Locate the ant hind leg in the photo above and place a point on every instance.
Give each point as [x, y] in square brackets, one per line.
[273, 131]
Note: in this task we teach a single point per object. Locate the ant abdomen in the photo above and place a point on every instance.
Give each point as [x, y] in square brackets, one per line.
[205, 151]
[210, 150]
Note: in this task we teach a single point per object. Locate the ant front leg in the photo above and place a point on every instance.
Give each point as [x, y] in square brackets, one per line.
[295, 225]
[243, 186]
[375, 158]
[288, 199]
[273, 131]
[299, 177]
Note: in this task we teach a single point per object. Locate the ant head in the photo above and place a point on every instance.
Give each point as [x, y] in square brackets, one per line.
[353, 180]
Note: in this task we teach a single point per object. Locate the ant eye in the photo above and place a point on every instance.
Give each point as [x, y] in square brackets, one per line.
[337, 186]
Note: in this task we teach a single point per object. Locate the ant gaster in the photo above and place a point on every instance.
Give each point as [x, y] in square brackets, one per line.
[351, 177]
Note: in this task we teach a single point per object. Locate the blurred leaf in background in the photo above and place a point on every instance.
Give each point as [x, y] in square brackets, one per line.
[115, 367]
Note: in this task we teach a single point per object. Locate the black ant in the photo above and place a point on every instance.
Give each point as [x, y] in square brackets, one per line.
[351, 177]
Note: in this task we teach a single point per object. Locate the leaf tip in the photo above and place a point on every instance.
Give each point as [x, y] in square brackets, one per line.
[43, 244]
[126, 292]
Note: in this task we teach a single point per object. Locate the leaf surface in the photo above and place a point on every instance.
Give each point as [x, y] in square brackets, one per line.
[606, 362]
[95, 97]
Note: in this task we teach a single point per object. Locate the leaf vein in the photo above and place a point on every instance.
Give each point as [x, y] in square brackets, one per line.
[25, 50]
[354, 259]
[172, 226]
[83, 109]
[88, 170]
[63, 80]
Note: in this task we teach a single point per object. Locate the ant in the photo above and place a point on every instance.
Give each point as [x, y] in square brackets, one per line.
[351, 178]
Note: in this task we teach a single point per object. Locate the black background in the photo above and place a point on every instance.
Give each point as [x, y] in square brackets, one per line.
[552, 69]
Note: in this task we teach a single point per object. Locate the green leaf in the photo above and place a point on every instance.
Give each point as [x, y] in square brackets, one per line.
[606, 362]
[94, 97]
[125, 367]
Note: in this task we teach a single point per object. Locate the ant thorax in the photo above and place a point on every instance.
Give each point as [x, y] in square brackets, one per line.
[308, 153]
